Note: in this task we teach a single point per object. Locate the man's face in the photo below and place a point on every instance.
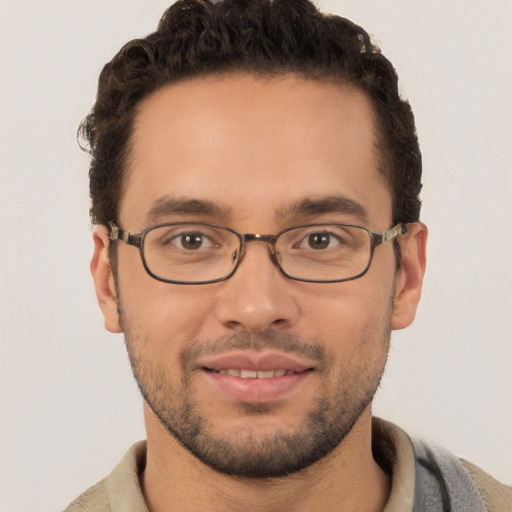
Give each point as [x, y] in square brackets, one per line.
[244, 153]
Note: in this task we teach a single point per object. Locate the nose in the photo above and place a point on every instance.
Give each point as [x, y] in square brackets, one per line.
[258, 296]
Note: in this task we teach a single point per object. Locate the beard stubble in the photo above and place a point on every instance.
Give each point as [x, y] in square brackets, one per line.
[249, 453]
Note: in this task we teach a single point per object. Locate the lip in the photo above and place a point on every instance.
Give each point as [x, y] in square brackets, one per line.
[256, 361]
[256, 390]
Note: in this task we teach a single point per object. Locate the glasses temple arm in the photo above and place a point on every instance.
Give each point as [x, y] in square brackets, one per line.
[117, 233]
[380, 238]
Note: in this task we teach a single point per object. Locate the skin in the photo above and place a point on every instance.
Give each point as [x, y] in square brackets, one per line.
[254, 147]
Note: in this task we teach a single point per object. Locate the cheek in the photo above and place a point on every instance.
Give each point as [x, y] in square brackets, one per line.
[354, 317]
[164, 314]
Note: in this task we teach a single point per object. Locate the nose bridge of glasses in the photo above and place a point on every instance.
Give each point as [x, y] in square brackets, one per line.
[270, 240]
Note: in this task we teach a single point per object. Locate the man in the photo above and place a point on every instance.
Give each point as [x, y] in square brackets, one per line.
[255, 184]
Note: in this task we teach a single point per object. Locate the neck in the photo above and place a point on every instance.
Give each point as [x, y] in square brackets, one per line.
[348, 479]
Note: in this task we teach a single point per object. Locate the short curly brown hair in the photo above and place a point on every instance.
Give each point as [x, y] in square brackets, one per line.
[263, 37]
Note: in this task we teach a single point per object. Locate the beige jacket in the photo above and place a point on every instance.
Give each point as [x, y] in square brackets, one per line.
[121, 492]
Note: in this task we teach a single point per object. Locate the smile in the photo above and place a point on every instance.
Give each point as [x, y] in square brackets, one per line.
[253, 374]
[256, 386]
[257, 377]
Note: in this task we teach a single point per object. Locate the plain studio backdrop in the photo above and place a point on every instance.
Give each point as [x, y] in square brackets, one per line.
[69, 407]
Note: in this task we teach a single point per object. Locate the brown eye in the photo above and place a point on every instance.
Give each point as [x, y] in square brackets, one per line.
[319, 241]
[192, 241]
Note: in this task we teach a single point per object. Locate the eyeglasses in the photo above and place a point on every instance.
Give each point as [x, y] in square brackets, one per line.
[202, 253]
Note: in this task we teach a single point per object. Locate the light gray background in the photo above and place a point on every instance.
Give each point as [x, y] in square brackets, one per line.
[69, 407]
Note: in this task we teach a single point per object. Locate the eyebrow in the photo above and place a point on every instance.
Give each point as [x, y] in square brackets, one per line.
[322, 205]
[166, 206]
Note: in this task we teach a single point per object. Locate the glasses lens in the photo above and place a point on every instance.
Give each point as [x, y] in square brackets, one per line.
[190, 253]
[330, 252]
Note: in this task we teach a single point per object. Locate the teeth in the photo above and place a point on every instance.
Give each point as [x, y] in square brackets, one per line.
[253, 374]
[248, 374]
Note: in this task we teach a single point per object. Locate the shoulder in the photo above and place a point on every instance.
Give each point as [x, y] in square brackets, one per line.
[462, 484]
[426, 477]
[95, 498]
[497, 496]
[120, 491]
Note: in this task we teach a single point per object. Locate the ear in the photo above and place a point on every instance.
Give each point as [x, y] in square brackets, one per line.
[104, 280]
[410, 278]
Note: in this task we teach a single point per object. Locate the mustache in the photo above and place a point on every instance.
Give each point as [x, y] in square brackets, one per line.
[275, 340]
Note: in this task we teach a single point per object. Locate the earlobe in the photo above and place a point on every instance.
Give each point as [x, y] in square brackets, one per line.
[104, 280]
[410, 278]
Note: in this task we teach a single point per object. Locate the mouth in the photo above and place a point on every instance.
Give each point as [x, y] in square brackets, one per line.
[253, 374]
[256, 377]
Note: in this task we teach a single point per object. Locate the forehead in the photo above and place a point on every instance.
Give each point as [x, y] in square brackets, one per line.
[253, 145]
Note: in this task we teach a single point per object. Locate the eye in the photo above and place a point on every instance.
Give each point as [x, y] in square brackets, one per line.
[192, 241]
[319, 241]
